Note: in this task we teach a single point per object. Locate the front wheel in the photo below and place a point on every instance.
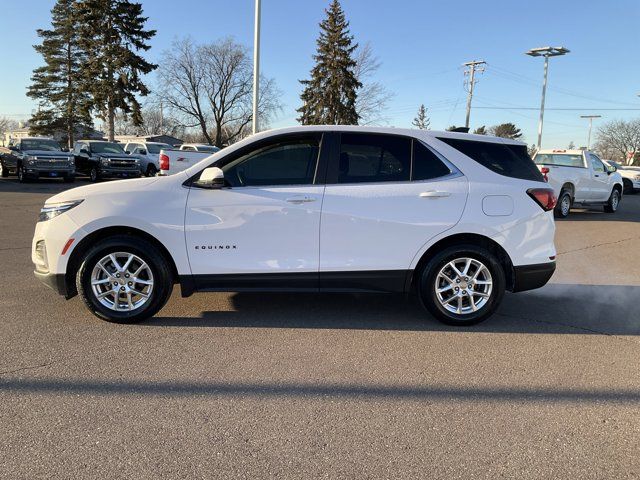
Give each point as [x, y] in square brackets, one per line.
[151, 170]
[124, 279]
[462, 285]
[614, 202]
[94, 175]
[22, 177]
[4, 171]
[627, 186]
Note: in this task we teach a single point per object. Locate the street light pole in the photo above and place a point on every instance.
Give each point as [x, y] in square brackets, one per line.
[590, 117]
[545, 52]
[256, 67]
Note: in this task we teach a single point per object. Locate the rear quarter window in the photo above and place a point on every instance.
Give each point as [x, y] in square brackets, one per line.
[507, 160]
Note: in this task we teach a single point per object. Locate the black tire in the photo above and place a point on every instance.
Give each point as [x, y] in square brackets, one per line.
[563, 207]
[614, 201]
[4, 171]
[94, 174]
[627, 186]
[145, 250]
[69, 179]
[151, 170]
[22, 178]
[428, 279]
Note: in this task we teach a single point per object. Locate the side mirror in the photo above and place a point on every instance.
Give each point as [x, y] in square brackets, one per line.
[13, 148]
[211, 177]
[84, 151]
[142, 152]
[611, 169]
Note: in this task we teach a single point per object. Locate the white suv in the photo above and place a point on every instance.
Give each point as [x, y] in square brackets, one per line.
[456, 218]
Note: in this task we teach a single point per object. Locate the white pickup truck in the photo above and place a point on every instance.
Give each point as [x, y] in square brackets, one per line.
[630, 176]
[174, 161]
[579, 178]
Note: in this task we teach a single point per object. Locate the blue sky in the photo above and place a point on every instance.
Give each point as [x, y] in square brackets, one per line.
[421, 44]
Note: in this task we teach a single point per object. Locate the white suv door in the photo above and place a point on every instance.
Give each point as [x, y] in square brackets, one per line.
[386, 196]
[266, 220]
[600, 189]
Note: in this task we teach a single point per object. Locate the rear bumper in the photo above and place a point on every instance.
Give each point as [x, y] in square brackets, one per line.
[529, 277]
[56, 281]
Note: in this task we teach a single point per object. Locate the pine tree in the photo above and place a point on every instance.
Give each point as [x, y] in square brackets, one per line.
[421, 121]
[329, 97]
[56, 86]
[112, 33]
[506, 130]
[480, 130]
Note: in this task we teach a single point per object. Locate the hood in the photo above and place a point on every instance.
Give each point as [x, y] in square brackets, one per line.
[115, 155]
[107, 188]
[47, 153]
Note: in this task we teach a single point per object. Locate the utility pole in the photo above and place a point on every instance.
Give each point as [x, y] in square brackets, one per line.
[590, 117]
[256, 67]
[545, 52]
[472, 67]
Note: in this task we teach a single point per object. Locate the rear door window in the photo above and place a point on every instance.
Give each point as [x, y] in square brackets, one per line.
[426, 164]
[508, 160]
[368, 158]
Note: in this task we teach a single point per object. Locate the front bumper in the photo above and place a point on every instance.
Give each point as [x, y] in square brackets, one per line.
[119, 173]
[56, 281]
[42, 173]
[530, 277]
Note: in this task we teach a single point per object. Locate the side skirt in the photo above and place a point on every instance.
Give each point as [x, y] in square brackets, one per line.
[373, 281]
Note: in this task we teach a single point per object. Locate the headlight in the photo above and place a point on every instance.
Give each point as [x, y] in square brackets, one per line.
[30, 159]
[72, 161]
[105, 162]
[638, 178]
[54, 209]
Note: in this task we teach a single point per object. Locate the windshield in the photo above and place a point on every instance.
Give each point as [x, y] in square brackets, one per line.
[559, 159]
[156, 147]
[106, 147]
[40, 144]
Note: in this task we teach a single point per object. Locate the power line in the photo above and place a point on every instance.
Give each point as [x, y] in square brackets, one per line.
[567, 109]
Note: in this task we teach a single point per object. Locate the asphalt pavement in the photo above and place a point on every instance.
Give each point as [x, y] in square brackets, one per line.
[326, 386]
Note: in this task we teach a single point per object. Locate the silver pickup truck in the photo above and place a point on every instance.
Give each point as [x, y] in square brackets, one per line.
[36, 157]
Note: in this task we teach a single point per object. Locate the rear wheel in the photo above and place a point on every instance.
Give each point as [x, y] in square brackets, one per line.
[124, 279]
[563, 206]
[4, 171]
[462, 285]
[614, 202]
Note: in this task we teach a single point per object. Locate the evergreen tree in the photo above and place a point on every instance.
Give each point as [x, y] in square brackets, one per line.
[506, 130]
[329, 97]
[421, 121]
[112, 32]
[572, 146]
[56, 86]
[480, 130]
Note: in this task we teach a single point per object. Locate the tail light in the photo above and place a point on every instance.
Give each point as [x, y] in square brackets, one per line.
[545, 197]
[545, 171]
[164, 162]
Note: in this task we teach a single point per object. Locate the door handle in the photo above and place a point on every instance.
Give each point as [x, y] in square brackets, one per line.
[300, 200]
[434, 194]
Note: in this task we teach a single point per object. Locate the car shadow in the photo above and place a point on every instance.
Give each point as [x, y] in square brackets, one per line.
[556, 308]
[629, 211]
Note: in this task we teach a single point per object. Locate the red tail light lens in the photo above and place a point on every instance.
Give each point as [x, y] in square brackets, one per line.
[164, 162]
[545, 171]
[545, 197]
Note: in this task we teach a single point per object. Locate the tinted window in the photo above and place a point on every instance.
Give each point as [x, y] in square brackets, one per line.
[508, 160]
[290, 162]
[106, 147]
[559, 159]
[426, 164]
[374, 158]
[40, 144]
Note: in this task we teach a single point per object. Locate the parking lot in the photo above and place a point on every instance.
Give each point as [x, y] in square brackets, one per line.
[331, 386]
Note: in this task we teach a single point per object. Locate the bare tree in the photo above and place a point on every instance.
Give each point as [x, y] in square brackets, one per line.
[421, 121]
[6, 124]
[619, 140]
[209, 87]
[373, 97]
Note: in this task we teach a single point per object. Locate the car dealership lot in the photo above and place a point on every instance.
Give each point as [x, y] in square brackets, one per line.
[259, 385]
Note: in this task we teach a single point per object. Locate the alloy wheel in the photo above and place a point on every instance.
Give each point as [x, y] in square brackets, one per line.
[463, 286]
[122, 281]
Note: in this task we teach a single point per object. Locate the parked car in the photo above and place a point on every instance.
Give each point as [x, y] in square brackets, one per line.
[36, 157]
[149, 155]
[446, 215]
[630, 176]
[199, 147]
[580, 178]
[100, 159]
[174, 161]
